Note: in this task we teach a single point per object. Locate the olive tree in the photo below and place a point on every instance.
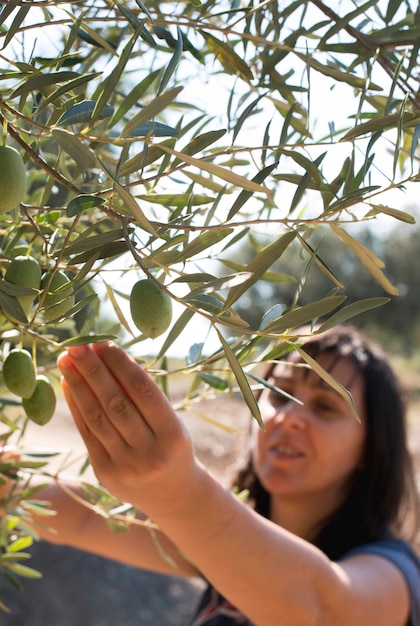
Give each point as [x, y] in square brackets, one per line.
[159, 136]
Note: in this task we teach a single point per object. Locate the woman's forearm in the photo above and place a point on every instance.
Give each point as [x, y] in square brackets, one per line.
[271, 575]
[75, 523]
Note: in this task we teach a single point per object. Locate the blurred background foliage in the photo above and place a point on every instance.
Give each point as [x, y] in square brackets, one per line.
[257, 160]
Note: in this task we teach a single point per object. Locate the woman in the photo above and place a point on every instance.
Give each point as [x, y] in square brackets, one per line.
[321, 544]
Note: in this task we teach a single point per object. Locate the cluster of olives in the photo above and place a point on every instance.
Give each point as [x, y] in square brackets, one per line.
[19, 372]
[37, 393]
[25, 271]
[52, 292]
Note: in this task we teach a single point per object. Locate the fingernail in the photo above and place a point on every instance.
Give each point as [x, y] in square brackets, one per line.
[77, 352]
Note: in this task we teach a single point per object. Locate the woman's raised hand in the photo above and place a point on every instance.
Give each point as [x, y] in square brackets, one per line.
[138, 447]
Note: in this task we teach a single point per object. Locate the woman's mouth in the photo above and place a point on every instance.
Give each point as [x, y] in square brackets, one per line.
[286, 451]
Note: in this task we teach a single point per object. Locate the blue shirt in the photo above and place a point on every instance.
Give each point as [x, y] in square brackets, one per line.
[214, 610]
[407, 561]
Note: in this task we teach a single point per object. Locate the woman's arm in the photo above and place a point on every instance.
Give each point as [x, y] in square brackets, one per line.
[143, 455]
[75, 522]
[77, 525]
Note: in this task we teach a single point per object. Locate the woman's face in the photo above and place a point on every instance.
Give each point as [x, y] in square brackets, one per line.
[310, 451]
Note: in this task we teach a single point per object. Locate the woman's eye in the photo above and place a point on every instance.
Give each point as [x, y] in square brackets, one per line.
[277, 398]
[325, 407]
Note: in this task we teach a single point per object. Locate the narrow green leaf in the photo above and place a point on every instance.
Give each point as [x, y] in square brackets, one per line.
[266, 383]
[70, 86]
[39, 81]
[206, 302]
[213, 381]
[311, 167]
[149, 155]
[106, 90]
[220, 172]
[173, 63]
[136, 94]
[397, 213]
[272, 315]
[315, 366]
[81, 304]
[394, 37]
[286, 124]
[304, 182]
[23, 570]
[202, 242]
[225, 282]
[20, 544]
[15, 290]
[245, 115]
[351, 310]
[106, 251]
[321, 264]
[82, 203]
[226, 55]
[132, 207]
[93, 338]
[260, 264]
[351, 199]
[175, 331]
[242, 380]
[367, 258]
[147, 36]
[198, 277]
[414, 145]
[153, 129]
[392, 8]
[383, 122]
[8, 9]
[270, 277]
[145, 10]
[11, 307]
[244, 195]
[81, 113]
[177, 200]
[130, 17]
[15, 25]
[82, 155]
[11, 557]
[111, 295]
[201, 142]
[302, 315]
[207, 183]
[152, 109]
[92, 37]
[336, 74]
[91, 242]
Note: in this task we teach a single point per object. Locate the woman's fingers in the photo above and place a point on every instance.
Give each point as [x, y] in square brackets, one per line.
[138, 447]
[144, 393]
[94, 447]
[99, 404]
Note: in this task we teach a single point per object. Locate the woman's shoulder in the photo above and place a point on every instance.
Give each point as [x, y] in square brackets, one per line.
[395, 549]
[406, 558]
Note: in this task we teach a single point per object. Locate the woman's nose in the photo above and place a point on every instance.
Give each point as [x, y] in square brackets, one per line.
[291, 415]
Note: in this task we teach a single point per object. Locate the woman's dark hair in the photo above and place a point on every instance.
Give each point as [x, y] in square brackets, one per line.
[383, 495]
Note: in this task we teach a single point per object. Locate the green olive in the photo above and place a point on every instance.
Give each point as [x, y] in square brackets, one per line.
[24, 271]
[12, 179]
[59, 298]
[40, 407]
[150, 307]
[19, 373]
